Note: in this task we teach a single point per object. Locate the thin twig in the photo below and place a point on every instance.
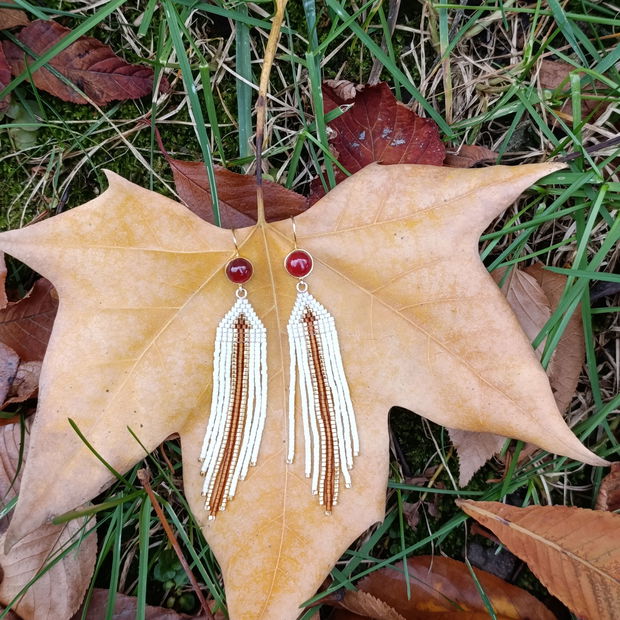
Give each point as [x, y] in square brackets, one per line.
[144, 478]
[261, 103]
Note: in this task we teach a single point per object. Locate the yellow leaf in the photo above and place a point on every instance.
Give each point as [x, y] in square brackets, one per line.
[421, 323]
[573, 551]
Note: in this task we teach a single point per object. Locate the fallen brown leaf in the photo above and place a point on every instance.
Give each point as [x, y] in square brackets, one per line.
[133, 346]
[442, 588]
[9, 361]
[14, 440]
[5, 78]
[3, 273]
[609, 493]
[88, 63]
[57, 592]
[10, 18]
[569, 356]
[533, 294]
[573, 551]
[126, 608]
[554, 74]
[236, 194]
[470, 155]
[474, 449]
[25, 384]
[26, 325]
[377, 128]
[527, 300]
[360, 604]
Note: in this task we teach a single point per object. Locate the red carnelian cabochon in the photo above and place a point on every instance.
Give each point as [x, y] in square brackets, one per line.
[298, 263]
[239, 270]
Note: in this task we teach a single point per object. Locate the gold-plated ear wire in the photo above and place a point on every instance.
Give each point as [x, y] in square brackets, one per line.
[294, 231]
[234, 236]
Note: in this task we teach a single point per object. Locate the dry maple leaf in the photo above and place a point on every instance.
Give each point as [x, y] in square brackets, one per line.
[421, 323]
[443, 588]
[573, 551]
[88, 63]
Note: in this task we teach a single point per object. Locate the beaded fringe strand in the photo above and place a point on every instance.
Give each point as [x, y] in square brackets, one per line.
[328, 420]
[238, 405]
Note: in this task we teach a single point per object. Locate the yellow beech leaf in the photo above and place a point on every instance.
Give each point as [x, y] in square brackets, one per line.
[573, 551]
[421, 323]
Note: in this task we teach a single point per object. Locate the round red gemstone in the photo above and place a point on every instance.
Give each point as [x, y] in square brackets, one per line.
[298, 263]
[239, 270]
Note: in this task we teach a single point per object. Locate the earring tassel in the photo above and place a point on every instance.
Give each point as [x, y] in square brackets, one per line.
[238, 405]
[328, 420]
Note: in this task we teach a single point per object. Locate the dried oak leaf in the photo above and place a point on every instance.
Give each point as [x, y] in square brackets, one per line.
[236, 194]
[377, 128]
[573, 551]
[533, 294]
[10, 18]
[26, 325]
[442, 588]
[57, 592]
[397, 264]
[88, 63]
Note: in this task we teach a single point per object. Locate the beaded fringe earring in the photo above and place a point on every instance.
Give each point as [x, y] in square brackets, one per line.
[239, 399]
[328, 420]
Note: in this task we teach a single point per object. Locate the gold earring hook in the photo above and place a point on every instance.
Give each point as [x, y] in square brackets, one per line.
[232, 230]
[294, 231]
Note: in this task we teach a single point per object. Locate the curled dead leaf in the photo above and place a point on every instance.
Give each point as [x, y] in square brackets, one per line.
[88, 63]
[574, 552]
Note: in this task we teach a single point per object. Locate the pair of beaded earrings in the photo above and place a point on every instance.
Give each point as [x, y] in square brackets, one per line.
[239, 400]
